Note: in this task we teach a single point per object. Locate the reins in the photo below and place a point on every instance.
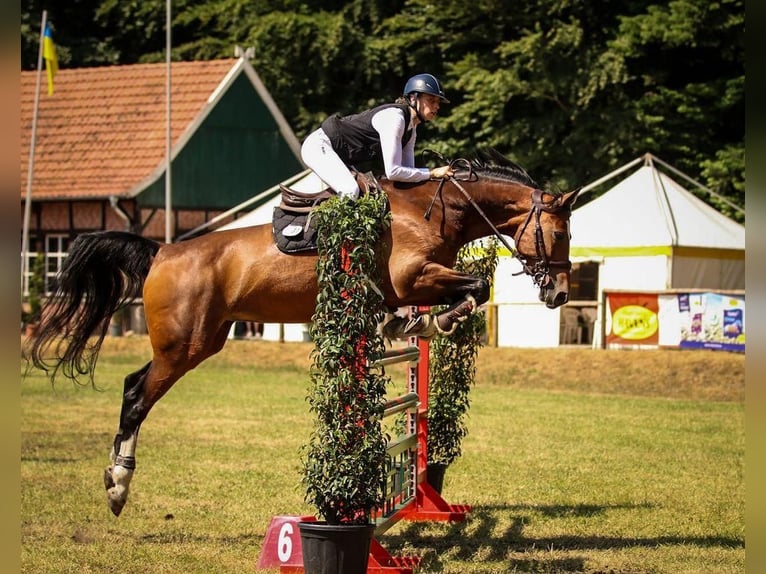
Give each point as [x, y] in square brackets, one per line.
[540, 272]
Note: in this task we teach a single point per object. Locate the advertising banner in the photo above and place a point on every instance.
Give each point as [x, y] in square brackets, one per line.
[702, 320]
[634, 319]
[712, 321]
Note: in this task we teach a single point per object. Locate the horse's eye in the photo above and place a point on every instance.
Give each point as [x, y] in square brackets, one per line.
[560, 235]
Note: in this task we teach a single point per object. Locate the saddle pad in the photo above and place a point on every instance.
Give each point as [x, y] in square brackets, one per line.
[293, 232]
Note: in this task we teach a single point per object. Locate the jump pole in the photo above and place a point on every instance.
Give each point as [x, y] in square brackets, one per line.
[408, 494]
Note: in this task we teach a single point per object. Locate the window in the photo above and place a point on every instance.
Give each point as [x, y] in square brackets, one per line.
[56, 246]
[56, 250]
[30, 265]
[583, 281]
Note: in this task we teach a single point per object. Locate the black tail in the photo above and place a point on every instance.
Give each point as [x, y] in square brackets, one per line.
[103, 272]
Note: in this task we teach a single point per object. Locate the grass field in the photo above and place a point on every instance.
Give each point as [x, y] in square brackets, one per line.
[608, 462]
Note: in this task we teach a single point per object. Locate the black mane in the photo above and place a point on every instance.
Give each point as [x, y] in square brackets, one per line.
[490, 162]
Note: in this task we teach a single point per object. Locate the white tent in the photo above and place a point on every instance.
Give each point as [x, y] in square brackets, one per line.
[645, 233]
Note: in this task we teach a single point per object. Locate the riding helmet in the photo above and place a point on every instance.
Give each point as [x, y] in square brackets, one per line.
[425, 84]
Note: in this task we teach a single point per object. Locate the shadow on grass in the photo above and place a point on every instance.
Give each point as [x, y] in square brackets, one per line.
[478, 539]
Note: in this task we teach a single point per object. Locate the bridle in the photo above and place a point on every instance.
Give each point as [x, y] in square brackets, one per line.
[540, 271]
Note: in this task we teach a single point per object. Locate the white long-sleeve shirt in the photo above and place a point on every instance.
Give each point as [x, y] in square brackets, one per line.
[398, 161]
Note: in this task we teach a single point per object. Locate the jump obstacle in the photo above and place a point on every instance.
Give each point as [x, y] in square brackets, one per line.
[408, 494]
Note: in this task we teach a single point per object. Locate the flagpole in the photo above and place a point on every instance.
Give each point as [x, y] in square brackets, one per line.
[31, 170]
[168, 135]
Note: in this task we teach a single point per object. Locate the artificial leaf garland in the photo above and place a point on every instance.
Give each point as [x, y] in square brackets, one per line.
[452, 362]
[345, 460]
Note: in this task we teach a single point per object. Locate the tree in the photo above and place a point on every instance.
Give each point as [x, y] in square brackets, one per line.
[568, 89]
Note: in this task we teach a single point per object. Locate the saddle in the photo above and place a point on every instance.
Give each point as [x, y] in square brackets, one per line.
[292, 222]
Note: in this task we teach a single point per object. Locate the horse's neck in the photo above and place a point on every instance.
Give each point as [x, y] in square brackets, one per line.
[503, 203]
[458, 208]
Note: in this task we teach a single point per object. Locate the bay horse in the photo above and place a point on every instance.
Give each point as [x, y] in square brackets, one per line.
[193, 291]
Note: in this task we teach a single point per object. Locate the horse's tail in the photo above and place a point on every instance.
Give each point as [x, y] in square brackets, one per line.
[102, 273]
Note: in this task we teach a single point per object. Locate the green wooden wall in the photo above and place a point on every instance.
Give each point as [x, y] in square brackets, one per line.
[236, 153]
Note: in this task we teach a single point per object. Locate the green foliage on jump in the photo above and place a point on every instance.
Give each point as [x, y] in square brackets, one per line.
[452, 362]
[345, 460]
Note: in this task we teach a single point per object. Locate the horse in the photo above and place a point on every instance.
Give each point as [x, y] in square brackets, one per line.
[194, 290]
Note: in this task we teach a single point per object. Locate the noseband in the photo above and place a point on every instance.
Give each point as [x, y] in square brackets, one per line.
[540, 271]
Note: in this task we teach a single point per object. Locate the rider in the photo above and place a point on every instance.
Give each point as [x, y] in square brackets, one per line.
[386, 132]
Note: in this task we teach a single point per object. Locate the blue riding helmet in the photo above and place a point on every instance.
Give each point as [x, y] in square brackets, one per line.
[425, 84]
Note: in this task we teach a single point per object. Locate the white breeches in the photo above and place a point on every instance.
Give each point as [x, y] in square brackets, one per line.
[317, 153]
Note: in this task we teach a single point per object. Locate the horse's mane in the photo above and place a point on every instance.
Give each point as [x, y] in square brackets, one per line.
[490, 162]
[485, 162]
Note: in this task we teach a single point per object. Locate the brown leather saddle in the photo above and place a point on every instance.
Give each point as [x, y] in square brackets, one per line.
[292, 226]
[295, 200]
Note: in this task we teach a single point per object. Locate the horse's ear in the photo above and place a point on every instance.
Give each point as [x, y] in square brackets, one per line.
[569, 198]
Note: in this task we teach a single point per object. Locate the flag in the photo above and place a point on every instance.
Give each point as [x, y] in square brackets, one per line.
[51, 61]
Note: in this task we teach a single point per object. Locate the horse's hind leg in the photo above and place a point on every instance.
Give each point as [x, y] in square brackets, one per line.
[141, 392]
[118, 474]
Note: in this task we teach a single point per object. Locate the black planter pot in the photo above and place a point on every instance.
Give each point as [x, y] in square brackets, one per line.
[435, 475]
[335, 548]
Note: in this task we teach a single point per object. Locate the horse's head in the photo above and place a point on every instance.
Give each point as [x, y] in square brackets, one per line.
[538, 221]
[542, 245]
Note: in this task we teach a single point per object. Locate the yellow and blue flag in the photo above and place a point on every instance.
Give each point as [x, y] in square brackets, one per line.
[51, 61]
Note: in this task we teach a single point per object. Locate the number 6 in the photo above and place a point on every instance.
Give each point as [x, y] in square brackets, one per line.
[285, 543]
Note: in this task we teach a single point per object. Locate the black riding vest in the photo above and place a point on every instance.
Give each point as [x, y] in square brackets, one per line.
[353, 137]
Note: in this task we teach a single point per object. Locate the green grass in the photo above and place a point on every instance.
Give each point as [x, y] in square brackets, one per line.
[598, 480]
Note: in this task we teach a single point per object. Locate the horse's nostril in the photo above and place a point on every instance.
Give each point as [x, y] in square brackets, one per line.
[561, 298]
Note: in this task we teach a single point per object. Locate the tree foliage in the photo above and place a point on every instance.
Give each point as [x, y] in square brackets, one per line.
[571, 89]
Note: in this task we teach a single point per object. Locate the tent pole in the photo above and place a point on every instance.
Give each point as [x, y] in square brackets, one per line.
[698, 184]
[609, 176]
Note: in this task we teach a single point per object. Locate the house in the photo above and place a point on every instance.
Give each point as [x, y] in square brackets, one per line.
[99, 157]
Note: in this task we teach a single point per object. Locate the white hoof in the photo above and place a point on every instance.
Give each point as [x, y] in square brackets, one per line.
[117, 482]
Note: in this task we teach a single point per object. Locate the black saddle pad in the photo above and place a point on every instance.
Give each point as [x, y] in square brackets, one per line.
[294, 232]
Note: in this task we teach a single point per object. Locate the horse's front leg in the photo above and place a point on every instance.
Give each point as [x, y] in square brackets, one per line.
[463, 293]
[447, 321]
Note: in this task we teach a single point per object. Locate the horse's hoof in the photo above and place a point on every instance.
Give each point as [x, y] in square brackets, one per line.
[116, 494]
[448, 321]
[115, 506]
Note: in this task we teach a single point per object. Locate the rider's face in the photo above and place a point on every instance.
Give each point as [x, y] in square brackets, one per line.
[429, 105]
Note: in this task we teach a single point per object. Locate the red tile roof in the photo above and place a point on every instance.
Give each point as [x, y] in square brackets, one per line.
[103, 130]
